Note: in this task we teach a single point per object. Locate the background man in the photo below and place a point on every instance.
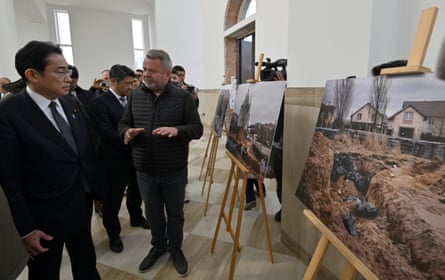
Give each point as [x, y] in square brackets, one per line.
[160, 120]
[84, 96]
[116, 169]
[3, 91]
[179, 71]
[47, 165]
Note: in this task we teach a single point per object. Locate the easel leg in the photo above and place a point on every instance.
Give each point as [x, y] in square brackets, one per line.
[205, 156]
[349, 272]
[208, 163]
[211, 167]
[236, 245]
[266, 221]
[223, 205]
[234, 195]
[315, 262]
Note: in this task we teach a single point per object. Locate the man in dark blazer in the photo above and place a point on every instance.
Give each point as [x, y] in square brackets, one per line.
[83, 95]
[116, 170]
[47, 176]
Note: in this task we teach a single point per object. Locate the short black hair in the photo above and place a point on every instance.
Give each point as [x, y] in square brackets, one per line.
[120, 72]
[74, 72]
[177, 68]
[35, 55]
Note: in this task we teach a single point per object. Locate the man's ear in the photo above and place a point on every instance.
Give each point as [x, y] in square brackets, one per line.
[32, 75]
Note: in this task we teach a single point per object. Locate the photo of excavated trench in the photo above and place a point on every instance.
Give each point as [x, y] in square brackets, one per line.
[386, 206]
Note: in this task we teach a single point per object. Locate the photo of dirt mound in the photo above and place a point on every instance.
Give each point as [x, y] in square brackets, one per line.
[386, 206]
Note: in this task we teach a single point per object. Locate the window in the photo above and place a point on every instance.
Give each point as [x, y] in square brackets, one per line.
[246, 52]
[138, 42]
[63, 34]
[248, 8]
[408, 116]
[359, 116]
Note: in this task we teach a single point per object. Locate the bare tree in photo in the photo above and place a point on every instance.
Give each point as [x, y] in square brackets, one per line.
[378, 98]
[343, 100]
[438, 127]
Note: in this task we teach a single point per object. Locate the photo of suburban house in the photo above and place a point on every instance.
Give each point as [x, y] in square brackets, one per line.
[367, 118]
[423, 120]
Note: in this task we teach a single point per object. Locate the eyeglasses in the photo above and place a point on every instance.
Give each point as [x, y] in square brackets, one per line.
[61, 73]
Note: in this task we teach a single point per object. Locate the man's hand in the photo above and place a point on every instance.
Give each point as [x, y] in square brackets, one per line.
[131, 133]
[32, 242]
[168, 131]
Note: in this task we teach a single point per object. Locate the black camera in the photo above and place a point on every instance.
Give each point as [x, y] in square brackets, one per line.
[270, 68]
[105, 83]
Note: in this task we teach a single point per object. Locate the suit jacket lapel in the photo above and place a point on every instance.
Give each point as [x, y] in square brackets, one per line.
[34, 115]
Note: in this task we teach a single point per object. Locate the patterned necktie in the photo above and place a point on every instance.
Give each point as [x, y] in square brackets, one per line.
[123, 101]
[63, 126]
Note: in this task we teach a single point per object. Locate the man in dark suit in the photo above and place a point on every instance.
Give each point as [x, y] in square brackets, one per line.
[116, 169]
[83, 95]
[47, 165]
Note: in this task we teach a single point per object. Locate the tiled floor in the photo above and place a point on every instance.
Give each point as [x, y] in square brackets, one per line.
[252, 262]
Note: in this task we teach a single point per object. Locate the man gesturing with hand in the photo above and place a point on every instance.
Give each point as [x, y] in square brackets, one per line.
[160, 120]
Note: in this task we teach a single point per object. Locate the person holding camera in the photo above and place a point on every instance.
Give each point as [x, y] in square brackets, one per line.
[101, 85]
[178, 77]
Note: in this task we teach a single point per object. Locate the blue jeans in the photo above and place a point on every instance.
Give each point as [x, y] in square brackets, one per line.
[167, 192]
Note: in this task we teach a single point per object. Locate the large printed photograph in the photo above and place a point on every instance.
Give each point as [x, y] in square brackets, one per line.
[222, 113]
[253, 123]
[375, 173]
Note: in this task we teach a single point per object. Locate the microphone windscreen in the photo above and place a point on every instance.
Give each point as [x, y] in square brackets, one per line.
[440, 71]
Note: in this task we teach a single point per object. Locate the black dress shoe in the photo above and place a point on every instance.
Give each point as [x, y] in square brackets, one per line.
[151, 258]
[180, 262]
[278, 216]
[116, 244]
[141, 222]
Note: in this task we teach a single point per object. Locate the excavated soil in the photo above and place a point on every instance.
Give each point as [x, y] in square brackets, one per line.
[406, 240]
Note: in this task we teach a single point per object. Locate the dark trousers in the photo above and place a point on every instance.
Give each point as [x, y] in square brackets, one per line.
[276, 162]
[80, 249]
[167, 192]
[250, 193]
[115, 183]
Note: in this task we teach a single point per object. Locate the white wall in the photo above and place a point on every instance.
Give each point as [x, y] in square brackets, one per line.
[180, 31]
[100, 31]
[271, 29]
[394, 27]
[8, 41]
[100, 39]
[321, 39]
[327, 40]
[213, 14]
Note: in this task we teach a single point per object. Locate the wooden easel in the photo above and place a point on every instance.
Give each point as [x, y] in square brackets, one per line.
[258, 70]
[420, 45]
[236, 169]
[206, 153]
[214, 140]
[352, 265]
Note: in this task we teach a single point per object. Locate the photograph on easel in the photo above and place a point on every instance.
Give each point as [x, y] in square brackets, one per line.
[253, 123]
[375, 173]
[222, 116]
